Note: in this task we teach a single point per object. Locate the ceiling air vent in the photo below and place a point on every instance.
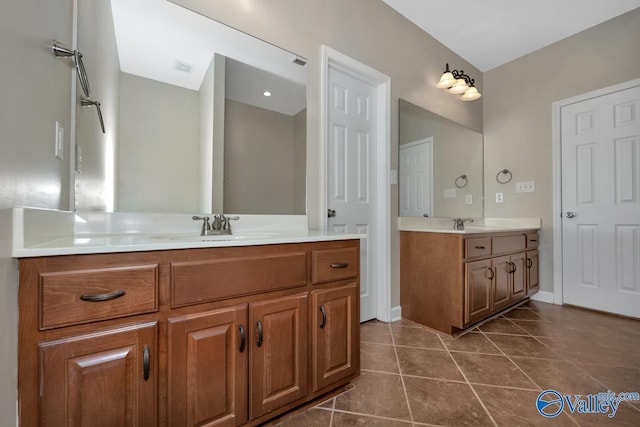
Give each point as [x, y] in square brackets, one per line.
[299, 61]
[182, 66]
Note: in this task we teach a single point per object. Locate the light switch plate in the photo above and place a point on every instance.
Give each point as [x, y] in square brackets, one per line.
[526, 187]
[58, 149]
[394, 177]
[449, 193]
[499, 197]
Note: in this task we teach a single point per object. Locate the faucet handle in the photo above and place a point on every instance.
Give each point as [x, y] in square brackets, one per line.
[206, 227]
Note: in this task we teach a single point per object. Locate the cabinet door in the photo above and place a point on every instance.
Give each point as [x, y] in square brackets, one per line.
[207, 368]
[518, 286]
[335, 334]
[107, 378]
[478, 282]
[278, 352]
[533, 283]
[501, 282]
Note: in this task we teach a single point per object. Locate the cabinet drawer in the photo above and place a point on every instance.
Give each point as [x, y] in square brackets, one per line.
[194, 282]
[477, 247]
[532, 240]
[74, 297]
[505, 244]
[334, 264]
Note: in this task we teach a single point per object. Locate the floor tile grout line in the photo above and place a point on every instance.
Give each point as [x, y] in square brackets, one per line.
[379, 417]
[518, 326]
[515, 364]
[473, 390]
[333, 411]
[404, 387]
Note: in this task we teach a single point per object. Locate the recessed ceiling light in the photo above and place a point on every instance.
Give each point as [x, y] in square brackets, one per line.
[266, 93]
[182, 66]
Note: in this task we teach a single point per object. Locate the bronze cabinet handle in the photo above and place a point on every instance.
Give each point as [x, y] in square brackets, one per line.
[324, 317]
[260, 336]
[145, 363]
[339, 265]
[103, 297]
[480, 247]
[529, 263]
[243, 339]
[492, 273]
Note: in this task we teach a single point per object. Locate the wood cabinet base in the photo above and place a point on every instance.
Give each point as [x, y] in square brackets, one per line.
[450, 282]
[176, 338]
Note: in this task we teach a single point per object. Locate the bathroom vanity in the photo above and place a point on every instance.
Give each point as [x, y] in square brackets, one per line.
[452, 279]
[228, 332]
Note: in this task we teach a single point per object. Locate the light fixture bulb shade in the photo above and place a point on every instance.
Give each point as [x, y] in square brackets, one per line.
[459, 87]
[471, 94]
[446, 81]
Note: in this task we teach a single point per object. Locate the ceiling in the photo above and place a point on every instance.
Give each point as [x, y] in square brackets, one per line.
[489, 33]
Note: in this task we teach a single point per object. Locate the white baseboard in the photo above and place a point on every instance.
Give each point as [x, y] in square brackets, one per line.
[396, 313]
[543, 296]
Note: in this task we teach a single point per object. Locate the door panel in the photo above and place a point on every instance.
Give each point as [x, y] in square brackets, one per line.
[416, 178]
[601, 190]
[501, 282]
[533, 283]
[279, 352]
[207, 371]
[518, 286]
[97, 380]
[478, 282]
[351, 171]
[336, 331]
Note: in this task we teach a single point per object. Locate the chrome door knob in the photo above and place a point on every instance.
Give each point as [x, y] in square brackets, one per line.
[331, 213]
[570, 214]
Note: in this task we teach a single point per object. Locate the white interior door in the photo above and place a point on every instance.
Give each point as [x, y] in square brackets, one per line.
[416, 178]
[600, 140]
[351, 171]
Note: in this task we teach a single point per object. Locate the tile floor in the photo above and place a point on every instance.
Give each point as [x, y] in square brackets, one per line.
[490, 376]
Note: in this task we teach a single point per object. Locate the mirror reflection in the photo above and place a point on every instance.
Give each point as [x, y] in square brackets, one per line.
[440, 165]
[199, 117]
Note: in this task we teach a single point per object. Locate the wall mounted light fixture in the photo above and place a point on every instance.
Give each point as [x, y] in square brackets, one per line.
[459, 83]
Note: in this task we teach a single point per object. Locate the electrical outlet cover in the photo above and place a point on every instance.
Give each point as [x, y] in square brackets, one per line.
[499, 197]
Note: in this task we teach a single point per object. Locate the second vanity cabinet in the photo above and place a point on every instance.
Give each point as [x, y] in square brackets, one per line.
[451, 281]
[212, 336]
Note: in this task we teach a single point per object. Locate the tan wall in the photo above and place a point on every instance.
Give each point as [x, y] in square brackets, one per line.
[517, 115]
[158, 149]
[35, 93]
[258, 160]
[95, 186]
[372, 33]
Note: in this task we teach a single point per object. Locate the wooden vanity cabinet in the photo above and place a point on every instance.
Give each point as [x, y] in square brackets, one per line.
[451, 281]
[178, 339]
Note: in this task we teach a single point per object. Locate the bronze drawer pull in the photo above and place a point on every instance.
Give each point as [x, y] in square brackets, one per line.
[529, 263]
[145, 363]
[480, 247]
[533, 240]
[102, 297]
[492, 273]
[324, 317]
[339, 265]
[259, 326]
[242, 339]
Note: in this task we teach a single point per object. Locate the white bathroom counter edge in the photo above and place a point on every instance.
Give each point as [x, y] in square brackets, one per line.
[478, 225]
[136, 243]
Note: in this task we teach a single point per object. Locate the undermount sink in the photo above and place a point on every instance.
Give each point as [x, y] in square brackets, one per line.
[212, 238]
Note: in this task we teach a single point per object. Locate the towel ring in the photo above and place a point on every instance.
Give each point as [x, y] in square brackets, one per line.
[505, 172]
[463, 181]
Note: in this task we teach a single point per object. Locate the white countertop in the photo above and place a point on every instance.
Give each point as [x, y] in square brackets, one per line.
[41, 232]
[107, 243]
[479, 225]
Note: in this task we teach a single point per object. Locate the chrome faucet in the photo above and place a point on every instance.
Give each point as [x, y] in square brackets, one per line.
[458, 223]
[220, 224]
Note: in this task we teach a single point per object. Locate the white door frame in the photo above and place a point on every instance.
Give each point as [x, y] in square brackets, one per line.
[382, 218]
[427, 140]
[557, 176]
